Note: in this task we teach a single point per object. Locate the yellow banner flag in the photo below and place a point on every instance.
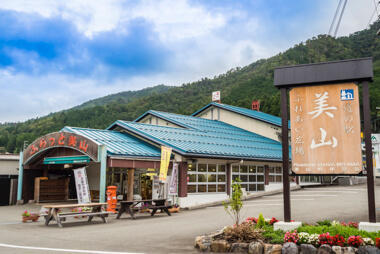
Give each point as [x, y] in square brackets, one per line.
[165, 159]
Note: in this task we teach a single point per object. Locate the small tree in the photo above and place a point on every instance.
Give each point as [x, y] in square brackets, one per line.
[235, 204]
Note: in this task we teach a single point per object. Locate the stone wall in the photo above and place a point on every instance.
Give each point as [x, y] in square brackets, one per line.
[207, 243]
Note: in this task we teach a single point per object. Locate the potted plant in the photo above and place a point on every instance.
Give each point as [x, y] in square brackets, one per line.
[174, 209]
[144, 208]
[29, 216]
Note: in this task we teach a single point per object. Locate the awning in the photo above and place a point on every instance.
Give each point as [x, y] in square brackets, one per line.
[67, 160]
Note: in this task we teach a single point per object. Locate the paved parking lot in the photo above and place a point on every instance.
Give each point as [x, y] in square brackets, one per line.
[175, 234]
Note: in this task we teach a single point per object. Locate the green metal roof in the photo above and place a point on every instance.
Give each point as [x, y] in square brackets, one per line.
[275, 120]
[203, 137]
[118, 143]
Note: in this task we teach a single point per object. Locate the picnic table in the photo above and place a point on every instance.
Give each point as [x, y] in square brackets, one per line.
[58, 216]
[153, 204]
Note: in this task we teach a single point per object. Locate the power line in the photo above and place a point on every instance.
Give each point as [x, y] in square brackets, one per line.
[335, 15]
[340, 18]
[374, 3]
[373, 13]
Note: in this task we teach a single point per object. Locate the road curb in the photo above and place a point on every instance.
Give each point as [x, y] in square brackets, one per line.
[248, 197]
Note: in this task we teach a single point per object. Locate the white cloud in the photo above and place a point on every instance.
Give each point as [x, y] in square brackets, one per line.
[204, 43]
[175, 20]
[171, 19]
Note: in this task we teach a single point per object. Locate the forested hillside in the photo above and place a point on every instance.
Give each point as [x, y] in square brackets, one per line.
[238, 86]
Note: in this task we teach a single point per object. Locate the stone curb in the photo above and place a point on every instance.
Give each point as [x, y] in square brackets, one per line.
[248, 197]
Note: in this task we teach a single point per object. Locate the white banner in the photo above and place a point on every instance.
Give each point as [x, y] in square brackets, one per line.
[81, 183]
[174, 180]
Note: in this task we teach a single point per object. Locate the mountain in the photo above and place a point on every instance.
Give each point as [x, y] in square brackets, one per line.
[238, 87]
[124, 97]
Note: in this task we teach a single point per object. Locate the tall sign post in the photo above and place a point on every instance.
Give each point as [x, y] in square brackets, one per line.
[325, 121]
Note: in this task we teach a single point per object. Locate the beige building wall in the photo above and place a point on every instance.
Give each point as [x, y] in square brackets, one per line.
[262, 128]
[9, 164]
[150, 119]
[93, 175]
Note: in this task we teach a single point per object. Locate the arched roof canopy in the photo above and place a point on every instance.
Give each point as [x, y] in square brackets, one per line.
[65, 142]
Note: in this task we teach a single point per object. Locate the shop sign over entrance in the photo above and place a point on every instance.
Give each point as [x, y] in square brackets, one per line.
[325, 129]
[62, 139]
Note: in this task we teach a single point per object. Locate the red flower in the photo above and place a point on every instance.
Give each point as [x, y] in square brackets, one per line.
[339, 240]
[291, 237]
[273, 220]
[355, 241]
[353, 224]
[325, 238]
[378, 242]
[251, 219]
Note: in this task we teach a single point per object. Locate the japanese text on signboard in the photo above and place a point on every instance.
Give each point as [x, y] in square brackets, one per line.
[325, 129]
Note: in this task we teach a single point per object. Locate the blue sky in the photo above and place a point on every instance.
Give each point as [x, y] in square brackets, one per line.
[58, 54]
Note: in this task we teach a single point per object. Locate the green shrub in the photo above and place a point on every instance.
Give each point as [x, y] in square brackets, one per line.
[233, 207]
[260, 221]
[324, 223]
[275, 237]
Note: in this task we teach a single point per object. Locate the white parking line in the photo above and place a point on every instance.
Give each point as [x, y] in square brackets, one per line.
[258, 205]
[328, 191]
[334, 189]
[62, 250]
[280, 200]
[315, 196]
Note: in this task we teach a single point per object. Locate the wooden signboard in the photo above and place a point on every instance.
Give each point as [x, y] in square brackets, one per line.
[61, 139]
[325, 129]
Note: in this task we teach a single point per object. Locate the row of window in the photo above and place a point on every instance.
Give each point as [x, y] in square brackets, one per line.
[206, 178]
[251, 176]
[212, 177]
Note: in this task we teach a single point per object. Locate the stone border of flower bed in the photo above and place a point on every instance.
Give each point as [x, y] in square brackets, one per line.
[206, 243]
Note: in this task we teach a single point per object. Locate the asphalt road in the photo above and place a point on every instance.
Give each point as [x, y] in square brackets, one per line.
[175, 234]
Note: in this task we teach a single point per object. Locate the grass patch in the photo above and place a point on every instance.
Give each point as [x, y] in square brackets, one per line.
[273, 236]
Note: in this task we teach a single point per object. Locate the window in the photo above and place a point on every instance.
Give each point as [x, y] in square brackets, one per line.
[206, 178]
[310, 179]
[251, 176]
[275, 174]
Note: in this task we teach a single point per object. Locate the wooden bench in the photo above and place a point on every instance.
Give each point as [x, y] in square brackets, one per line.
[54, 214]
[153, 204]
[90, 215]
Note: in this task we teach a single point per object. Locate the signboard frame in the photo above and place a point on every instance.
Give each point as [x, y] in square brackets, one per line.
[359, 71]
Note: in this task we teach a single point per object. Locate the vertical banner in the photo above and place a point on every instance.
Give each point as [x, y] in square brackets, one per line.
[81, 183]
[174, 180]
[165, 159]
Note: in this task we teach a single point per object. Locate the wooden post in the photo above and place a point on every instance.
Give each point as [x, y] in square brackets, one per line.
[285, 153]
[368, 153]
[131, 179]
[182, 180]
[45, 172]
[266, 175]
[228, 180]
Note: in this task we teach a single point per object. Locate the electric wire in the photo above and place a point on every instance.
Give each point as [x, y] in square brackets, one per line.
[340, 18]
[373, 14]
[335, 15]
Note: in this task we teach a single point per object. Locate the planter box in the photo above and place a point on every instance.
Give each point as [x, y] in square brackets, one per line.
[174, 209]
[32, 217]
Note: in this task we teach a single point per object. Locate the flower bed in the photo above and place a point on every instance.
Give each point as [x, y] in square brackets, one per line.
[255, 232]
